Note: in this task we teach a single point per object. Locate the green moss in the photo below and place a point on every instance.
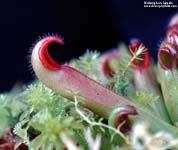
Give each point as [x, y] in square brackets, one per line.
[40, 118]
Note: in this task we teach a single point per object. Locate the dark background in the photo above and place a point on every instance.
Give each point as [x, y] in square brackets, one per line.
[84, 24]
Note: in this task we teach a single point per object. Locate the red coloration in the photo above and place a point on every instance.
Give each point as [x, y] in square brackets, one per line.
[168, 53]
[122, 118]
[22, 147]
[106, 68]
[44, 56]
[108, 72]
[7, 146]
[7, 142]
[66, 81]
[137, 63]
[167, 56]
[172, 34]
[172, 29]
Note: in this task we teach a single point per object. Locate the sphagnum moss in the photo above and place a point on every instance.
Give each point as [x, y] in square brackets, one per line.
[37, 117]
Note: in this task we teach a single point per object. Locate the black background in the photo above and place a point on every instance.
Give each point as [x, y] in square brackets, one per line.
[84, 24]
